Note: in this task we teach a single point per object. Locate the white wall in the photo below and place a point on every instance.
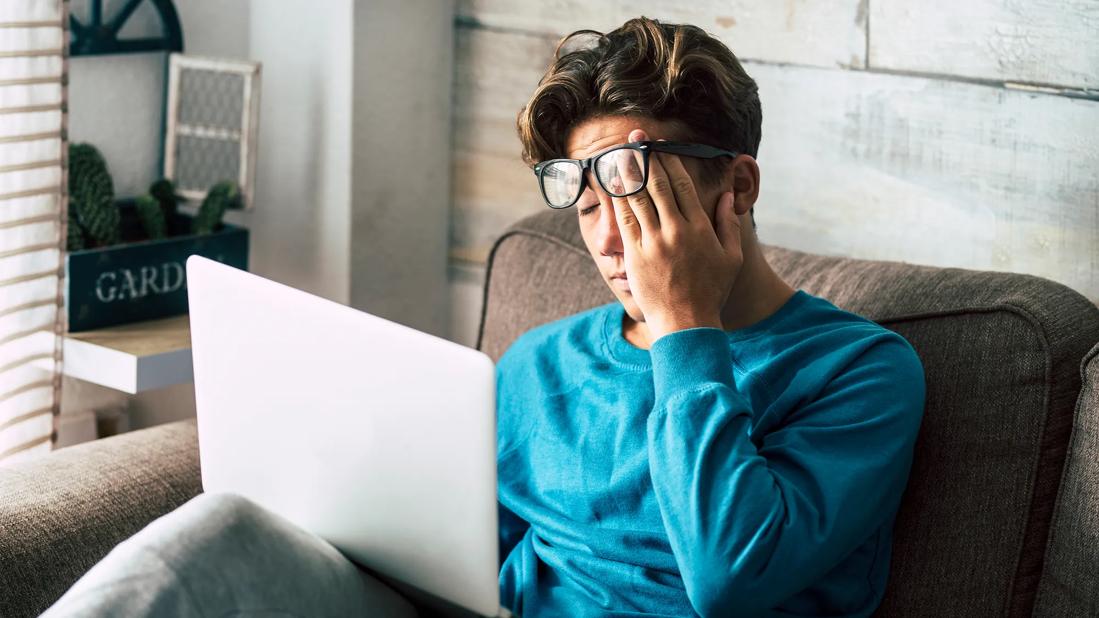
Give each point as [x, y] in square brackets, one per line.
[342, 86]
[401, 161]
[301, 223]
[300, 228]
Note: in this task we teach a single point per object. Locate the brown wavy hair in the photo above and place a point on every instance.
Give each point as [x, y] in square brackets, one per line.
[668, 72]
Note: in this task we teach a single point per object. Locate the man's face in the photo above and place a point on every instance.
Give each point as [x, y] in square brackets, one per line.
[595, 210]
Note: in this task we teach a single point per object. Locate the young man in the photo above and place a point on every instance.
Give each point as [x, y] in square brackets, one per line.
[713, 443]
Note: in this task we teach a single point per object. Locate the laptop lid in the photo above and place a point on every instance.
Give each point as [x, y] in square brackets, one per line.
[377, 437]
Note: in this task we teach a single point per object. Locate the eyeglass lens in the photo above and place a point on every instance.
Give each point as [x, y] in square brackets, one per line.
[561, 183]
[620, 172]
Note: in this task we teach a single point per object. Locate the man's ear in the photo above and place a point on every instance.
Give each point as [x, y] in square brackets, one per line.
[743, 178]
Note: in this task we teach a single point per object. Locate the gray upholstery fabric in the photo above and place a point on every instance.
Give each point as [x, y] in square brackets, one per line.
[1000, 351]
[1069, 586]
[60, 514]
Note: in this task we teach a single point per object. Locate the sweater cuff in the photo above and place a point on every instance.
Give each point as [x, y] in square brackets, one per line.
[690, 358]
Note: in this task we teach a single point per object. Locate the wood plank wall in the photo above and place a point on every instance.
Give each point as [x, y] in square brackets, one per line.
[940, 132]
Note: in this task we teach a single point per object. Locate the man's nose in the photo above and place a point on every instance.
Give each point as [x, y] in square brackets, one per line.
[608, 239]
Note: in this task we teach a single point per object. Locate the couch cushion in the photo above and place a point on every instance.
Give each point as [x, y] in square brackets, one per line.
[62, 513]
[1000, 351]
[1069, 586]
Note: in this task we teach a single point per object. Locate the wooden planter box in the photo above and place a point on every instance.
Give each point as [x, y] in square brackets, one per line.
[142, 280]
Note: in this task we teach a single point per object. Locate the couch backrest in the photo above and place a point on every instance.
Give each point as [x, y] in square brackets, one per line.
[1069, 584]
[1000, 351]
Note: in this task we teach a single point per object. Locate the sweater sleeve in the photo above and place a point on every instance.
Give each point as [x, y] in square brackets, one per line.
[751, 526]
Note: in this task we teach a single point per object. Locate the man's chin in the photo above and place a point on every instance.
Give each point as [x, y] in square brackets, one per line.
[631, 307]
[625, 297]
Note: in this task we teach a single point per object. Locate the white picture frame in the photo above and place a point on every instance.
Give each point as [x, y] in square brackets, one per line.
[246, 136]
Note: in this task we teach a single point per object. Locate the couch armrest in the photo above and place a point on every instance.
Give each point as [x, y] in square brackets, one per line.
[61, 513]
[1068, 586]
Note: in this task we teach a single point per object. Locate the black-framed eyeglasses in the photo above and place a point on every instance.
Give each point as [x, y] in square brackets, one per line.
[620, 171]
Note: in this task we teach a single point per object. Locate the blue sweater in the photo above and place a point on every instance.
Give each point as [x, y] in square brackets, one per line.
[754, 472]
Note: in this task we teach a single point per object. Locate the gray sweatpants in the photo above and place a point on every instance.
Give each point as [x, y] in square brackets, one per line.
[223, 555]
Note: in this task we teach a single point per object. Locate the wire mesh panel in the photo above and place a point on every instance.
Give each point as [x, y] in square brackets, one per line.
[32, 222]
[213, 108]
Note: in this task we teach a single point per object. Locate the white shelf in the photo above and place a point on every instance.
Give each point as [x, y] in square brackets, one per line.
[133, 357]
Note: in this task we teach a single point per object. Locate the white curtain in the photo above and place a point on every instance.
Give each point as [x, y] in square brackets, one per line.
[33, 36]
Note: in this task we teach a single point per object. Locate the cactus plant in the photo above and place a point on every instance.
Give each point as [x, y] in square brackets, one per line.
[91, 194]
[151, 216]
[75, 240]
[165, 193]
[222, 196]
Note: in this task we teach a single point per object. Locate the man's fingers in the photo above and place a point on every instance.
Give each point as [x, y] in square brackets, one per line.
[629, 177]
[659, 189]
[727, 224]
[630, 171]
[686, 196]
[628, 224]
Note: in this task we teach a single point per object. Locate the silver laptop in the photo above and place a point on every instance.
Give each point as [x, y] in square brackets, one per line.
[376, 437]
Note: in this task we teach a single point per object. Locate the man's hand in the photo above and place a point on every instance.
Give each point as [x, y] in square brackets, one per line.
[680, 267]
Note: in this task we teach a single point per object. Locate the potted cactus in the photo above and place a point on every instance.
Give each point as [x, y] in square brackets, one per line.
[126, 257]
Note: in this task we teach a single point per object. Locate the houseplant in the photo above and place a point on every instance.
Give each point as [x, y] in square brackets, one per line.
[126, 256]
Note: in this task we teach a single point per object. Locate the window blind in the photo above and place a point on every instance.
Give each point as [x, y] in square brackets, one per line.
[33, 147]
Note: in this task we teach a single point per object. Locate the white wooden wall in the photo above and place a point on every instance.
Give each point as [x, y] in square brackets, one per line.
[937, 132]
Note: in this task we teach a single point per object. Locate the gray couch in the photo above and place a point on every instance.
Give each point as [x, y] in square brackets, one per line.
[1000, 517]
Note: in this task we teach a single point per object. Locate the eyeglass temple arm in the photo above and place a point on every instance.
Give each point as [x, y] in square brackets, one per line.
[691, 150]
